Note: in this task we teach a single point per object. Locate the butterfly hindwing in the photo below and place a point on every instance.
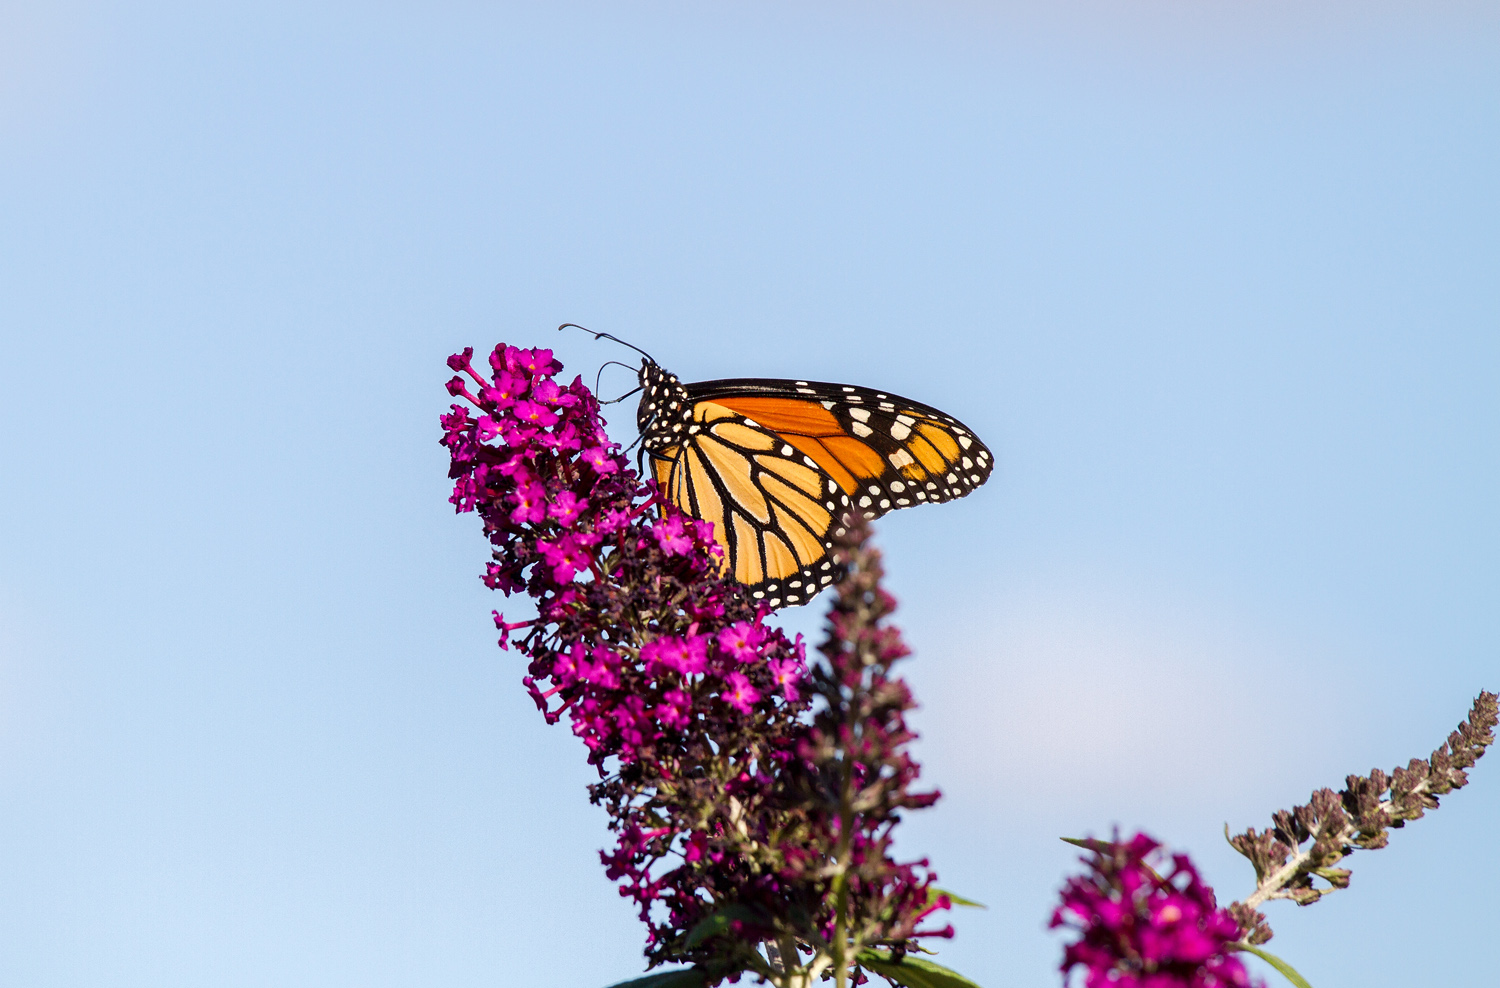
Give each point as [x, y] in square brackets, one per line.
[774, 511]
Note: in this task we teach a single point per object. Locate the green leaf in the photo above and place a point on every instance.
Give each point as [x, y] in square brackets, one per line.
[718, 923]
[1106, 847]
[911, 972]
[1286, 970]
[687, 977]
[953, 897]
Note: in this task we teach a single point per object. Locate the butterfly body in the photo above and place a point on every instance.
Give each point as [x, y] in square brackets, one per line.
[775, 466]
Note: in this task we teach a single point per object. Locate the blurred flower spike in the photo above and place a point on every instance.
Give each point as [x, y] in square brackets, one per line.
[1138, 928]
[753, 835]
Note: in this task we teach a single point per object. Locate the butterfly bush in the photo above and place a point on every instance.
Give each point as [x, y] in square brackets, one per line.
[1138, 928]
[855, 754]
[751, 828]
[753, 796]
[1304, 843]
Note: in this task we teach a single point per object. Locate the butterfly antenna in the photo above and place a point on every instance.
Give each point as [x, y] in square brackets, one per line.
[607, 336]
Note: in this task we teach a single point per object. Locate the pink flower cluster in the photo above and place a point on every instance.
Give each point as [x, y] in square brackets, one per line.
[693, 709]
[1139, 929]
[635, 631]
[687, 701]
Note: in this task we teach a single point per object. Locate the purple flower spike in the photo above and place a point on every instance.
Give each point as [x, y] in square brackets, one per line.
[718, 784]
[1139, 927]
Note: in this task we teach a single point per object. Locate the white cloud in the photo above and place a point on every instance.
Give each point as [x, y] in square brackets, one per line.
[1114, 697]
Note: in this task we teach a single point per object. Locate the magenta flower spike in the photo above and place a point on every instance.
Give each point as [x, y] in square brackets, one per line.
[719, 782]
[1140, 928]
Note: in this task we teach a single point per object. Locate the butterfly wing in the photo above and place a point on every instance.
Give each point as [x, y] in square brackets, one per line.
[775, 511]
[884, 451]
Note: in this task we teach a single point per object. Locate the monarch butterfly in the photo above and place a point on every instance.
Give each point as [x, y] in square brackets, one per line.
[775, 466]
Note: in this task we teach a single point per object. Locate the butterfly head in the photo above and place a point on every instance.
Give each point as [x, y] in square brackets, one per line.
[664, 411]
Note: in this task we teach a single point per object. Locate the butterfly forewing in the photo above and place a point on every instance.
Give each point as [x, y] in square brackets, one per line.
[883, 450]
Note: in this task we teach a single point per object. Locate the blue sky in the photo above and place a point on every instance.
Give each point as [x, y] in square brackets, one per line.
[1217, 283]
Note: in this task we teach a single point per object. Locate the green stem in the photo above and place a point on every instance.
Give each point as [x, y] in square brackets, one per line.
[841, 877]
[840, 929]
